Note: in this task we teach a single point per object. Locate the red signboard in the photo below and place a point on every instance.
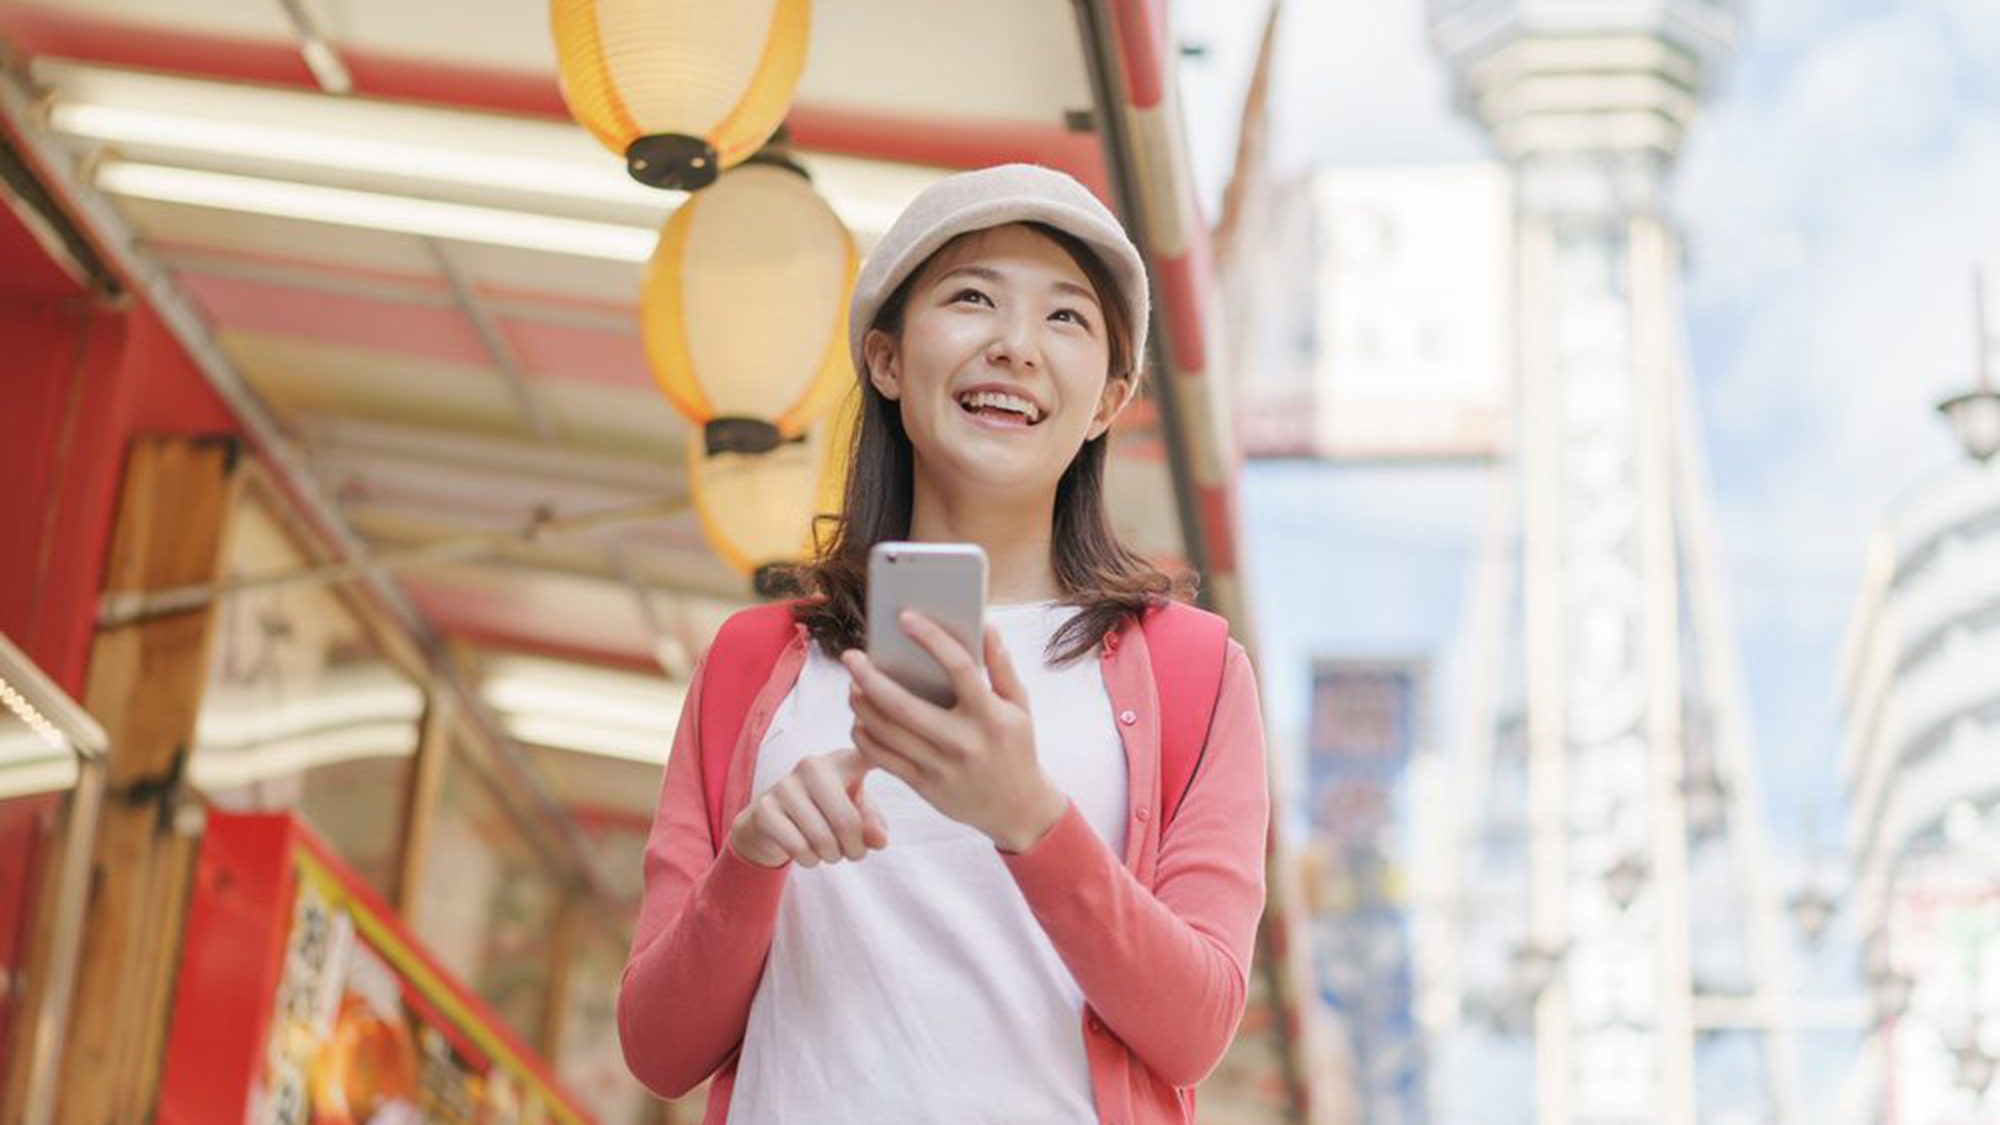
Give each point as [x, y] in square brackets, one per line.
[303, 1001]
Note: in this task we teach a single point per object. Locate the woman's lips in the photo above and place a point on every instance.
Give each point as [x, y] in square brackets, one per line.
[997, 420]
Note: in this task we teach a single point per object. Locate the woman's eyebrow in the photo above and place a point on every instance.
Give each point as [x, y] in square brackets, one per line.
[992, 276]
[983, 273]
[1074, 289]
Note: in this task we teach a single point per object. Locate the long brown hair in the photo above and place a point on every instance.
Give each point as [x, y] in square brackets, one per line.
[1108, 581]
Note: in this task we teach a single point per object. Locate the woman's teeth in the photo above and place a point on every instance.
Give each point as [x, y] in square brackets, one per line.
[979, 401]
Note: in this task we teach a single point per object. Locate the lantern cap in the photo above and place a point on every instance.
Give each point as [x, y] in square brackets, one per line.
[672, 161]
[994, 197]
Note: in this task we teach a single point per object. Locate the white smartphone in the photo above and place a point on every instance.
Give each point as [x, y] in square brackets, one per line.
[945, 582]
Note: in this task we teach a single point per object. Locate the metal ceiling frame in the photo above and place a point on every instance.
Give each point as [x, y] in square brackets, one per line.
[493, 340]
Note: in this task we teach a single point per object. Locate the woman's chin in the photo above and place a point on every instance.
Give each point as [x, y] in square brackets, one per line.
[999, 474]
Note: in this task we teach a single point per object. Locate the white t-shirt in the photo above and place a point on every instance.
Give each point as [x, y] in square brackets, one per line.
[914, 986]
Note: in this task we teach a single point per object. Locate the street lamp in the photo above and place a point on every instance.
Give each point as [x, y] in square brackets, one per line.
[1812, 911]
[1975, 415]
[1705, 797]
[1976, 1067]
[1625, 880]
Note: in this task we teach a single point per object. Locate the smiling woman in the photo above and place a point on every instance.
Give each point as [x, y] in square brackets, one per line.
[1036, 904]
[1026, 289]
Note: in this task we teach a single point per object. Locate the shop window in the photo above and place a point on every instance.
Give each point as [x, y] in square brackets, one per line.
[488, 898]
[303, 711]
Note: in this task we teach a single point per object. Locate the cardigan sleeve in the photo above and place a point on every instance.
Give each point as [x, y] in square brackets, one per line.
[705, 926]
[1166, 968]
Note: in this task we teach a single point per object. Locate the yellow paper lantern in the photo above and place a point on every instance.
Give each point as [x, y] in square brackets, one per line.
[682, 89]
[758, 510]
[743, 308]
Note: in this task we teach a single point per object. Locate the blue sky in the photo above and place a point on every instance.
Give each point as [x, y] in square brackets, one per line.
[1834, 197]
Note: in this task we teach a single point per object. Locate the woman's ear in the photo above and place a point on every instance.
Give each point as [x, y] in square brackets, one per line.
[1116, 397]
[878, 349]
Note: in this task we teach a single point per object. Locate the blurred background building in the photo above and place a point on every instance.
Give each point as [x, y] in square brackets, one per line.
[1922, 762]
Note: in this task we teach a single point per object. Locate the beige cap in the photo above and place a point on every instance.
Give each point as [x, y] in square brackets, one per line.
[993, 197]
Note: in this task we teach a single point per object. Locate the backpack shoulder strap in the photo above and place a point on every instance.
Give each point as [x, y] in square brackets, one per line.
[1188, 648]
[738, 663]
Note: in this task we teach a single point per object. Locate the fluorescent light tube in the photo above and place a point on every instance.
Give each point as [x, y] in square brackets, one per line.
[349, 155]
[376, 211]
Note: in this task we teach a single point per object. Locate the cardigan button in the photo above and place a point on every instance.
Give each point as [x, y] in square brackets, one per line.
[1142, 814]
[1128, 717]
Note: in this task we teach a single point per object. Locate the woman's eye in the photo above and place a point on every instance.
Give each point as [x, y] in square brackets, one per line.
[971, 294]
[1073, 316]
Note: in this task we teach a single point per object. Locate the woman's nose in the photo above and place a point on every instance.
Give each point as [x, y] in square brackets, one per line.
[1015, 344]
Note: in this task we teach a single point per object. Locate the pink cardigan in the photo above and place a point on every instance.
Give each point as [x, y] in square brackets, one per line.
[1159, 941]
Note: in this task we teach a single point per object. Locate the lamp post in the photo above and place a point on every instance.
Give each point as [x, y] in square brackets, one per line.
[1975, 414]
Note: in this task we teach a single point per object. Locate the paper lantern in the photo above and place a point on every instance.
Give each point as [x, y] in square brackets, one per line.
[757, 510]
[743, 308]
[682, 89]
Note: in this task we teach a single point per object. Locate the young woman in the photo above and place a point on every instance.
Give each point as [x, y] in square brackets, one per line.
[974, 914]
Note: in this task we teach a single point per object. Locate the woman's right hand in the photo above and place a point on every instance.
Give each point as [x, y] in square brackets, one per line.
[815, 814]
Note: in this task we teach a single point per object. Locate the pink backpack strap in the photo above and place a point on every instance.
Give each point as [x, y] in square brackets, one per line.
[739, 662]
[1189, 648]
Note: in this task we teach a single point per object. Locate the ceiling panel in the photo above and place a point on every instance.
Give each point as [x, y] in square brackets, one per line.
[633, 421]
[484, 600]
[561, 351]
[182, 225]
[236, 19]
[1016, 61]
[407, 329]
[297, 376]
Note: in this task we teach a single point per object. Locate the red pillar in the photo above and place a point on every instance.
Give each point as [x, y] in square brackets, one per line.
[78, 378]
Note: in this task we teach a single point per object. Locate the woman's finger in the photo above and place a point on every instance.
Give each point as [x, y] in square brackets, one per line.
[874, 826]
[1000, 666]
[851, 767]
[770, 819]
[798, 805]
[958, 664]
[836, 806]
[931, 753]
[895, 702]
[888, 761]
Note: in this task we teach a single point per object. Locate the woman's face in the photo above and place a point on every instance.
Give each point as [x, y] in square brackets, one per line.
[1002, 366]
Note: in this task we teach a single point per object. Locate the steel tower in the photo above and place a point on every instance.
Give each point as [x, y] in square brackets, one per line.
[1611, 891]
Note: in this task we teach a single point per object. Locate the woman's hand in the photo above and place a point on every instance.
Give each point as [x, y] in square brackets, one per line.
[975, 762]
[816, 813]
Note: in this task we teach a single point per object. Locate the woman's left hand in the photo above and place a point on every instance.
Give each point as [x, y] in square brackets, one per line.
[975, 761]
